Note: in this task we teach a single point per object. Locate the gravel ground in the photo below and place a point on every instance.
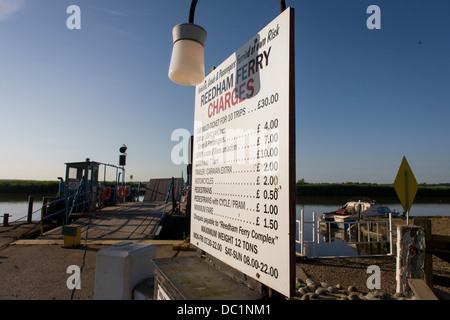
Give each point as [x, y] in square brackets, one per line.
[353, 272]
[26, 275]
[38, 272]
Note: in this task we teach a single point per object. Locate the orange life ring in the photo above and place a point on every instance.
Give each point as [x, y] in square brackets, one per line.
[127, 191]
[187, 193]
[120, 192]
[106, 193]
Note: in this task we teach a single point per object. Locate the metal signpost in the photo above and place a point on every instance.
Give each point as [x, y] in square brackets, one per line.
[243, 176]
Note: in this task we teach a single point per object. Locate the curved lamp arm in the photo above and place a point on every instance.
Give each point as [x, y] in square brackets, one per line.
[192, 11]
[194, 4]
[282, 5]
[187, 62]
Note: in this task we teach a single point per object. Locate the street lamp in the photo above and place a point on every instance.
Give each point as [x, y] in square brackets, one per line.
[187, 65]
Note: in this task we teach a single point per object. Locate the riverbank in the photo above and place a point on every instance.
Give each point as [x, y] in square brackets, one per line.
[42, 187]
[28, 187]
[425, 193]
[351, 272]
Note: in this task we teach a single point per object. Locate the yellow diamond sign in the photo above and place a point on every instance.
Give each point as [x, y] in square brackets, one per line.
[405, 185]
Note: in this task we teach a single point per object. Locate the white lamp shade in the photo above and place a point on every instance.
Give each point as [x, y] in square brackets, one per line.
[187, 66]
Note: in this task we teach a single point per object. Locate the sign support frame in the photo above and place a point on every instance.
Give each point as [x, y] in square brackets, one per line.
[202, 229]
[407, 197]
[292, 171]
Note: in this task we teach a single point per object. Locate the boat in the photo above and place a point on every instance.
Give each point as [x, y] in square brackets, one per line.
[356, 209]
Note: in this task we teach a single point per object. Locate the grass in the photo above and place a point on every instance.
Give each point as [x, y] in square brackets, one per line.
[28, 186]
[348, 189]
[372, 190]
[33, 186]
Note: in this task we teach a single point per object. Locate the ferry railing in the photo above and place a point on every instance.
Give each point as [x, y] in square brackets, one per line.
[71, 202]
[46, 204]
[357, 226]
[138, 192]
[68, 208]
[167, 200]
[301, 233]
[354, 225]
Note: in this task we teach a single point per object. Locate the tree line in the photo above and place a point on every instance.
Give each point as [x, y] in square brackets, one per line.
[36, 186]
[372, 190]
[303, 188]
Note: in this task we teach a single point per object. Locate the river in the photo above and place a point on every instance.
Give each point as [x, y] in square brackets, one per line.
[17, 207]
[336, 245]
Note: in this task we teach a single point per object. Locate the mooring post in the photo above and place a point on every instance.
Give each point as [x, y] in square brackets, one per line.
[30, 209]
[6, 219]
[410, 257]
[43, 211]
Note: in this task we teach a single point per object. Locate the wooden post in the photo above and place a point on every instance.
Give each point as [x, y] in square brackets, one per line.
[6, 219]
[410, 256]
[425, 224]
[44, 208]
[407, 197]
[30, 209]
[421, 290]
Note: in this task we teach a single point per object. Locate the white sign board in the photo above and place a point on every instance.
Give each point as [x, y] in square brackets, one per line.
[241, 210]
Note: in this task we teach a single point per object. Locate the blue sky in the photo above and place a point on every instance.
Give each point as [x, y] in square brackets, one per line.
[364, 98]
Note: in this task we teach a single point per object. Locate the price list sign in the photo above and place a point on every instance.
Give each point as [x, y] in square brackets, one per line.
[243, 173]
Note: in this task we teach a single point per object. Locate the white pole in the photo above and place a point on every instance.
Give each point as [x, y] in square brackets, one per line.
[314, 226]
[302, 250]
[314, 234]
[391, 245]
